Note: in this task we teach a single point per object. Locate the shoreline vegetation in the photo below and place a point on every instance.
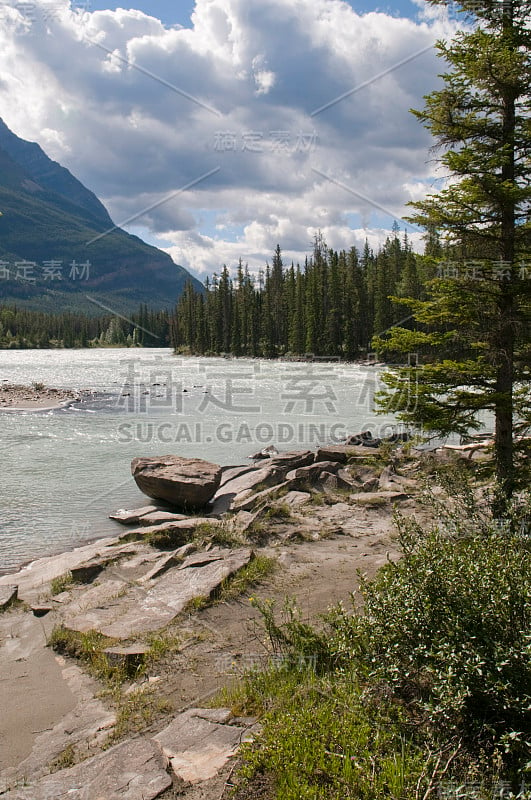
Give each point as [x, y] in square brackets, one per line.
[420, 685]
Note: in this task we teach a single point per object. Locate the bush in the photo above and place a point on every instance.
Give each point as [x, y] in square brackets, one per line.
[431, 683]
[449, 627]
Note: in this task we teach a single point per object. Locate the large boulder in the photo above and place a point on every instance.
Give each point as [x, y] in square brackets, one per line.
[183, 482]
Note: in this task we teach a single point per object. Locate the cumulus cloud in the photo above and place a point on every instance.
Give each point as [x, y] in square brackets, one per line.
[296, 110]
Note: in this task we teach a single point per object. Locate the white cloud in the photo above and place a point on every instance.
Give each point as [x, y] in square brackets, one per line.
[138, 111]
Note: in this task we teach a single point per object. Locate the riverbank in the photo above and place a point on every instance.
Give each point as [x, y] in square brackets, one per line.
[111, 654]
[176, 596]
[37, 397]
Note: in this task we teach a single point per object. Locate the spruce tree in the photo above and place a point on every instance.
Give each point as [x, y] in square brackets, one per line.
[476, 322]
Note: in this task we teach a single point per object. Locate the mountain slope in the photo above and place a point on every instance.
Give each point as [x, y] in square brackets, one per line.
[53, 255]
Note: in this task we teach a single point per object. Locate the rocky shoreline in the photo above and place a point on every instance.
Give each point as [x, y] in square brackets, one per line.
[15, 397]
[161, 615]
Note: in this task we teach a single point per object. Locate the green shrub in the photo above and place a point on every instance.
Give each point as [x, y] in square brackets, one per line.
[449, 627]
[430, 684]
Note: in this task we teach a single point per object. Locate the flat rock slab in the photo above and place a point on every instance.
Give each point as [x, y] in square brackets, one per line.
[295, 499]
[292, 459]
[159, 517]
[186, 483]
[230, 473]
[133, 770]
[132, 516]
[33, 578]
[198, 743]
[377, 498]
[248, 500]
[343, 452]
[312, 472]
[181, 529]
[8, 595]
[144, 609]
[246, 481]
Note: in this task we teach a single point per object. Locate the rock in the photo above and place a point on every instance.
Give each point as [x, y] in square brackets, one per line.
[312, 472]
[86, 573]
[31, 578]
[267, 452]
[391, 482]
[145, 608]
[184, 482]
[166, 562]
[41, 611]
[132, 517]
[8, 596]
[341, 452]
[248, 500]
[129, 658]
[179, 531]
[331, 481]
[378, 498]
[229, 473]
[198, 743]
[359, 438]
[224, 497]
[293, 460]
[294, 499]
[132, 770]
[244, 520]
[160, 517]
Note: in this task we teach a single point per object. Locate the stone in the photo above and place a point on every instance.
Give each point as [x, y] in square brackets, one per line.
[187, 483]
[86, 573]
[244, 520]
[341, 452]
[359, 438]
[295, 499]
[33, 576]
[225, 495]
[41, 611]
[293, 460]
[248, 500]
[159, 517]
[331, 481]
[168, 561]
[129, 658]
[181, 530]
[8, 596]
[132, 517]
[391, 482]
[147, 608]
[229, 473]
[312, 472]
[378, 498]
[198, 743]
[132, 770]
[267, 452]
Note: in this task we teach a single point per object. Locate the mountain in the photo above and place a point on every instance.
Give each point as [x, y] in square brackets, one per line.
[59, 248]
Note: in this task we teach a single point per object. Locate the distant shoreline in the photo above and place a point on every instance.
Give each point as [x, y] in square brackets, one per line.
[17, 397]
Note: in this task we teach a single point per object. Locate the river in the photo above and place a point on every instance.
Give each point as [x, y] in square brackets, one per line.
[64, 471]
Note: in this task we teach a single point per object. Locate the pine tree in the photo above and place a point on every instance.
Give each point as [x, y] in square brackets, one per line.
[481, 118]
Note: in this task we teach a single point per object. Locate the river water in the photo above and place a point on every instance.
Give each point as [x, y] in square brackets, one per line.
[64, 471]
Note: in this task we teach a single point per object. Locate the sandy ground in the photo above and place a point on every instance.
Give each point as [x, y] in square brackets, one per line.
[34, 694]
[37, 398]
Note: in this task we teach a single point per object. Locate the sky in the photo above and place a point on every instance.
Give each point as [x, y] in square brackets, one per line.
[216, 129]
